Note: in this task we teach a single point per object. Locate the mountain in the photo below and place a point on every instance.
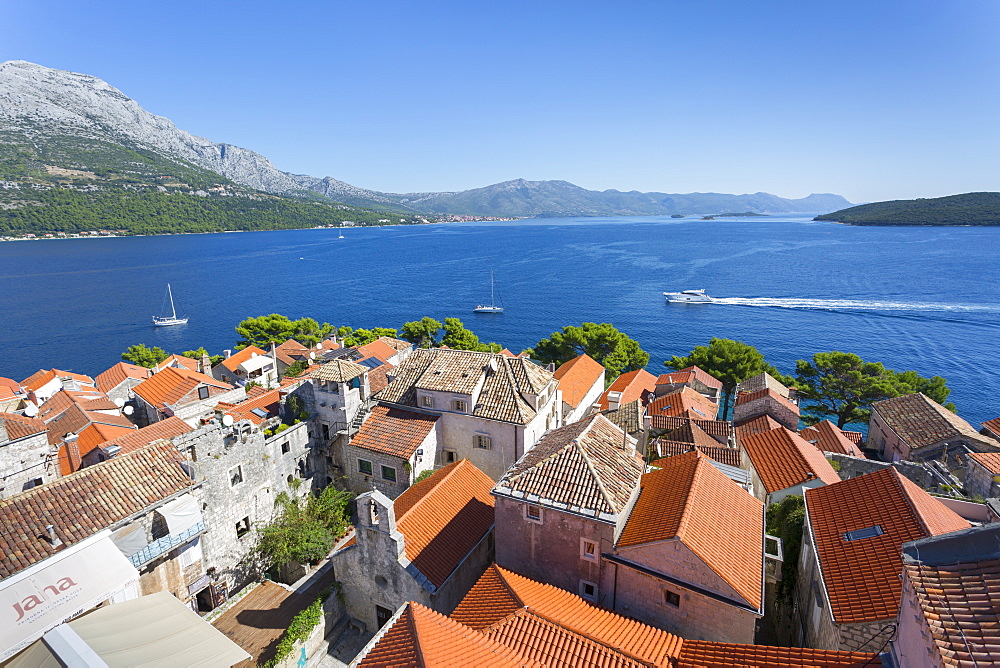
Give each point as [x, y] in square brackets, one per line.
[965, 209]
[56, 120]
[560, 198]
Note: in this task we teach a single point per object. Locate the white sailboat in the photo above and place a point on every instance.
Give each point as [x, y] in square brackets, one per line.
[341, 233]
[492, 306]
[172, 319]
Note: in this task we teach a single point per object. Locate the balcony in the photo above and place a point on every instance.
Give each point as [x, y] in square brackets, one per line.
[163, 545]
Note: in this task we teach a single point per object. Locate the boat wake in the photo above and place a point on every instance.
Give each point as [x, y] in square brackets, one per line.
[852, 304]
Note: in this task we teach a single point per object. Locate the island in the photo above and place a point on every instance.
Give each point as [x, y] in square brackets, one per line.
[964, 209]
[744, 214]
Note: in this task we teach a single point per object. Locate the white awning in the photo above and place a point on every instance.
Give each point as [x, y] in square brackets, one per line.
[181, 514]
[60, 588]
[151, 631]
[255, 363]
[130, 539]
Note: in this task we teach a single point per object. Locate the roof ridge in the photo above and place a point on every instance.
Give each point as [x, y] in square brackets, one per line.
[590, 464]
[411, 625]
[515, 389]
[914, 513]
[695, 483]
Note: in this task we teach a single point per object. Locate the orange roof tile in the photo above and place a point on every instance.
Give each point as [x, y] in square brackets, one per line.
[783, 459]
[177, 362]
[139, 438]
[682, 403]
[38, 379]
[689, 499]
[633, 385]
[96, 434]
[720, 430]
[988, 460]
[920, 421]
[756, 426]
[268, 402]
[862, 576]
[687, 375]
[443, 517]
[171, 385]
[394, 431]
[239, 357]
[10, 383]
[118, 374]
[993, 426]
[19, 426]
[719, 453]
[81, 504]
[378, 349]
[747, 397]
[828, 437]
[706, 654]
[576, 377]
[378, 378]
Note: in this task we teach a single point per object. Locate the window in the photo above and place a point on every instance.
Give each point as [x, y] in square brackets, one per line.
[588, 590]
[482, 441]
[326, 431]
[32, 483]
[203, 392]
[449, 457]
[243, 527]
[285, 448]
[388, 473]
[235, 476]
[461, 406]
[426, 401]
[532, 513]
[364, 466]
[672, 598]
[588, 549]
[867, 532]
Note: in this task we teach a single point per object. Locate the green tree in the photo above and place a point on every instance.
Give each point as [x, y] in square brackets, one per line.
[140, 355]
[731, 362]
[421, 333]
[458, 337]
[197, 355]
[606, 344]
[360, 337]
[264, 330]
[304, 529]
[786, 520]
[842, 386]
[296, 368]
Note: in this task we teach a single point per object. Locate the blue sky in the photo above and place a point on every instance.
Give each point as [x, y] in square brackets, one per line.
[872, 100]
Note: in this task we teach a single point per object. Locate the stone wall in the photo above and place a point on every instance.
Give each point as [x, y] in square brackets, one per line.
[25, 461]
[766, 406]
[979, 481]
[852, 467]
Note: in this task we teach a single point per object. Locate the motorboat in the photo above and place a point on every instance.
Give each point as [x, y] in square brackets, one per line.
[688, 297]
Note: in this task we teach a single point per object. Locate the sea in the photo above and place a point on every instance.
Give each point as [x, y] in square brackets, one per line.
[921, 298]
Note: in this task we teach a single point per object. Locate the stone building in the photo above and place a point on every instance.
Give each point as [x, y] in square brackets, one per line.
[249, 365]
[340, 396]
[491, 408]
[392, 448]
[916, 428]
[782, 463]
[564, 503]
[750, 405]
[180, 392]
[429, 546]
[693, 377]
[982, 474]
[118, 381]
[26, 459]
[581, 381]
[848, 588]
[828, 437]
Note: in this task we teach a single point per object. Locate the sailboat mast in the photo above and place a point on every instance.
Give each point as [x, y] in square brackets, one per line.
[173, 311]
[492, 300]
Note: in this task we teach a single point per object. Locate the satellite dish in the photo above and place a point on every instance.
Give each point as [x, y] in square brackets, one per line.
[31, 410]
[119, 402]
[253, 354]
[227, 420]
[312, 356]
[128, 410]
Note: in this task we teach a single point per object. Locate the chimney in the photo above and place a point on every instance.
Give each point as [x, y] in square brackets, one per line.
[614, 400]
[551, 366]
[53, 538]
[205, 364]
[227, 353]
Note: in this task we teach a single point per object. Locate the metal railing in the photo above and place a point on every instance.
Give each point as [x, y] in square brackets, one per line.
[163, 545]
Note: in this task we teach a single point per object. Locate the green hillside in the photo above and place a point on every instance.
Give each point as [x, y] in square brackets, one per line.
[966, 209]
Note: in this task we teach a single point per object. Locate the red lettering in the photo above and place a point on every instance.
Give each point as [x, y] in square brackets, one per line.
[65, 583]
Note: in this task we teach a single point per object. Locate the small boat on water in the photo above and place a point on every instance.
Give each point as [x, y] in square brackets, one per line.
[491, 307]
[172, 319]
[688, 297]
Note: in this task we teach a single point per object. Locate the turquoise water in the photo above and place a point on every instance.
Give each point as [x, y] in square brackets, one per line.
[913, 298]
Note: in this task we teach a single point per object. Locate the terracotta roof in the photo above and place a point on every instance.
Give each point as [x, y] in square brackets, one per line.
[96, 434]
[267, 402]
[10, 383]
[688, 375]
[747, 397]
[423, 638]
[783, 459]
[140, 438]
[684, 402]
[461, 371]
[171, 385]
[993, 426]
[290, 351]
[705, 654]
[394, 431]
[576, 377]
[38, 379]
[589, 467]
[920, 421]
[339, 371]
[177, 361]
[756, 426]
[378, 349]
[690, 432]
[507, 352]
[829, 438]
[988, 460]
[19, 426]
[720, 430]
[443, 517]
[721, 454]
[760, 382]
[862, 576]
[956, 583]
[629, 417]
[63, 399]
[396, 344]
[855, 437]
[86, 502]
[378, 378]
[633, 385]
[500, 593]
[118, 374]
[689, 499]
[234, 361]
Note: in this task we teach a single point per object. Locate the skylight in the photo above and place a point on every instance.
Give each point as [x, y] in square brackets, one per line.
[868, 532]
[259, 412]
